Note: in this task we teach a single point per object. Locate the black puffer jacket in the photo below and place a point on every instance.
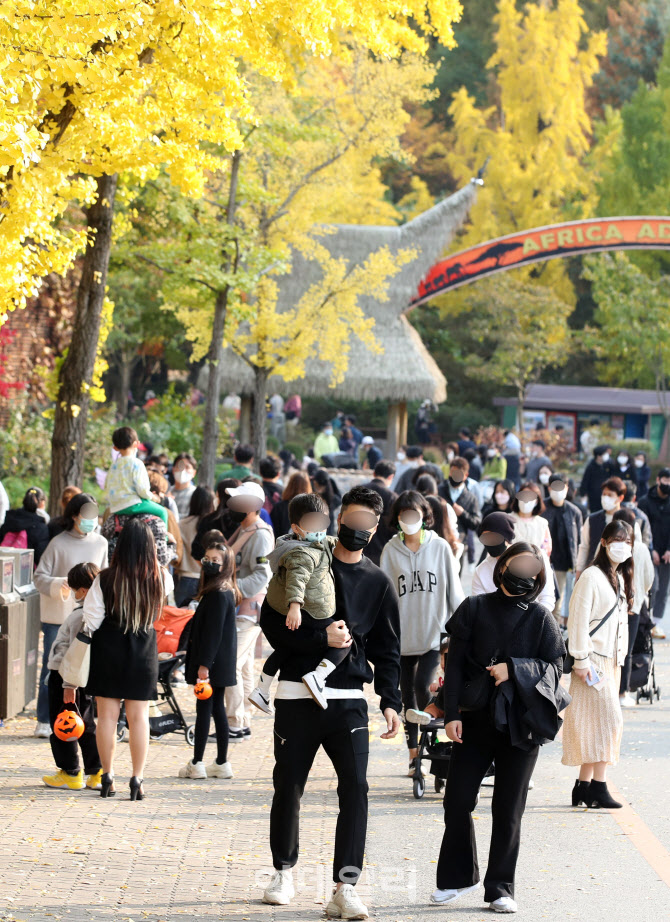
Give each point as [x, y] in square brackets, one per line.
[36, 529]
[657, 508]
[528, 705]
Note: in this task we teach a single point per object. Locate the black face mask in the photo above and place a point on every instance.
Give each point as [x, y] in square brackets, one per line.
[211, 567]
[517, 585]
[662, 489]
[235, 516]
[495, 550]
[353, 539]
[456, 483]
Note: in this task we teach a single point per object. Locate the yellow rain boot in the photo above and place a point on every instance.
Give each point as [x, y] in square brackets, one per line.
[62, 780]
[94, 781]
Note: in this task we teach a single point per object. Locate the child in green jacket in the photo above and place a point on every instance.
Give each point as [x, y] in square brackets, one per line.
[302, 589]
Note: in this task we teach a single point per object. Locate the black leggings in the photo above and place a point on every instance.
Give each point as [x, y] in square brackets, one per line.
[204, 709]
[416, 675]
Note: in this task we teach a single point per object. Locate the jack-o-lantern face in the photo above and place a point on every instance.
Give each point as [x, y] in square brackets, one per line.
[202, 690]
[68, 726]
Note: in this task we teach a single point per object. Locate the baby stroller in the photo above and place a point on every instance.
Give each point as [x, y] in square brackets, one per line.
[165, 716]
[439, 753]
[643, 671]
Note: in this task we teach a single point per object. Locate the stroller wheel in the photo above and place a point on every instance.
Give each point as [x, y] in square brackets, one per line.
[419, 787]
[439, 784]
[121, 733]
[189, 733]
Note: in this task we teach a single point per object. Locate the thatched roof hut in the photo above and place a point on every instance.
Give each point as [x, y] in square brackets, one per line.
[405, 370]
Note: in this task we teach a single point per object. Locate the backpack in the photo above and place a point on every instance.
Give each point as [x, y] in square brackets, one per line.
[17, 539]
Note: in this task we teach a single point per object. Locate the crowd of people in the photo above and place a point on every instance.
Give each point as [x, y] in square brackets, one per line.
[350, 587]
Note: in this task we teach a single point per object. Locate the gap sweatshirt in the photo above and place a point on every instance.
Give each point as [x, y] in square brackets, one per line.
[428, 587]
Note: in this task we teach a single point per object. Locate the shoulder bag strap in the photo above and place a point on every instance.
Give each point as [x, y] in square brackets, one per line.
[609, 613]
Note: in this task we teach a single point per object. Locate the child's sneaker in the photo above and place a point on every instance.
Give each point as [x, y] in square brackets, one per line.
[261, 700]
[220, 771]
[94, 781]
[316, 688]
[413, 716]
[62, 780]
[193, 770]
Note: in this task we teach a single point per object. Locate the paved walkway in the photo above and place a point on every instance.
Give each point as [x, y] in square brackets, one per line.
[198, 849]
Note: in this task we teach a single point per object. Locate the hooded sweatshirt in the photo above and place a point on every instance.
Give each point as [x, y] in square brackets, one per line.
[428, 587]
[62, 553]
[301, 572]
[252, 547]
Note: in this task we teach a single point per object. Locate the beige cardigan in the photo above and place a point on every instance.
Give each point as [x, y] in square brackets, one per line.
[591, 599]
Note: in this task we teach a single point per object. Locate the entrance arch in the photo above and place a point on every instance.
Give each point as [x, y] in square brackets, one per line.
[556, 241]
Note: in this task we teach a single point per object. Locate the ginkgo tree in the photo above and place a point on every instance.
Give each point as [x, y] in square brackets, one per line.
[310, 161]
[92, 88]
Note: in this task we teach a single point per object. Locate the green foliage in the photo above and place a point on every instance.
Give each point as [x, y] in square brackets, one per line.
[173, 425]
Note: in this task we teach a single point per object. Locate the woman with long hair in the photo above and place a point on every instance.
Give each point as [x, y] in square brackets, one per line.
[424, 573]
[119, 613]
[598, 641]
[501, 498]
[323, 484]
[201, 504]
[297, 483]
[212, 657]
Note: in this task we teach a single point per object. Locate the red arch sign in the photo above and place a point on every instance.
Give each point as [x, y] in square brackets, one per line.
[553, 242]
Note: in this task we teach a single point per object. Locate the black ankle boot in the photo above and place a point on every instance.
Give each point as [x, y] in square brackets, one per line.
[580, 793]
[599, 796]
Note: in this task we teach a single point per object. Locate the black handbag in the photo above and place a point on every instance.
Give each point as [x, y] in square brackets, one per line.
[568, 659]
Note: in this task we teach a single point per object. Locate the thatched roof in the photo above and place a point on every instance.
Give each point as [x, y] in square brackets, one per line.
[405, 370]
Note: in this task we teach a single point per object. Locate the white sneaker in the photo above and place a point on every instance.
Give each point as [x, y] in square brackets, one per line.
[42, 731]
[449, 896]
[280, 891]
[657, 632]
[627, 701]
[345, 903]
[421, 718]
[503, 904]
[219, 771]
[531, 784]
[261, 700]
[317, 690]
[191, 770]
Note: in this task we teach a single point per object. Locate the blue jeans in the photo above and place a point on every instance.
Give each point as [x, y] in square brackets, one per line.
[49, 631]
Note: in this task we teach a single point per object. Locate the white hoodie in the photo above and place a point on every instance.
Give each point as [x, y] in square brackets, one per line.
[428, 587]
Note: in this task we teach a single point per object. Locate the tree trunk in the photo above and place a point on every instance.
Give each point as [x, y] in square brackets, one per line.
[521, 398]
[123, 384]
[210, 436]
[76, 372]
[260, 415]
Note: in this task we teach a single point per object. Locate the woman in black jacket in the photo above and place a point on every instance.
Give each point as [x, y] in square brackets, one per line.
[212, 657]
[27, 519]
[491, 636]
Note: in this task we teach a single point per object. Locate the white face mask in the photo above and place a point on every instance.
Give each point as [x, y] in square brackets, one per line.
[502, 498]
[410, 528]
[327, 431]
[401, 455]
[639, 462]
[558, 495]
[450, 456]
[527, 508]
[622, 461]
[606, 457]
[544, 478]
[491, 453]
[183, 476]
[608, 503]
[619, 551]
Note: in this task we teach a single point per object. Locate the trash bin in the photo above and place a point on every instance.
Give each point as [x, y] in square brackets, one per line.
[19, 641]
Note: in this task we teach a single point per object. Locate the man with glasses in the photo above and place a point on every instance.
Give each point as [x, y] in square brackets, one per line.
[656, 505]
[366, 621]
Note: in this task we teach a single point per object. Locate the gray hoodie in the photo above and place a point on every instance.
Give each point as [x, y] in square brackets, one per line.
[428, 587]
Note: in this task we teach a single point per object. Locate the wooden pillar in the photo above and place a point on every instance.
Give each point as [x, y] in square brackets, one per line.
[396, 430]
[246, 408]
